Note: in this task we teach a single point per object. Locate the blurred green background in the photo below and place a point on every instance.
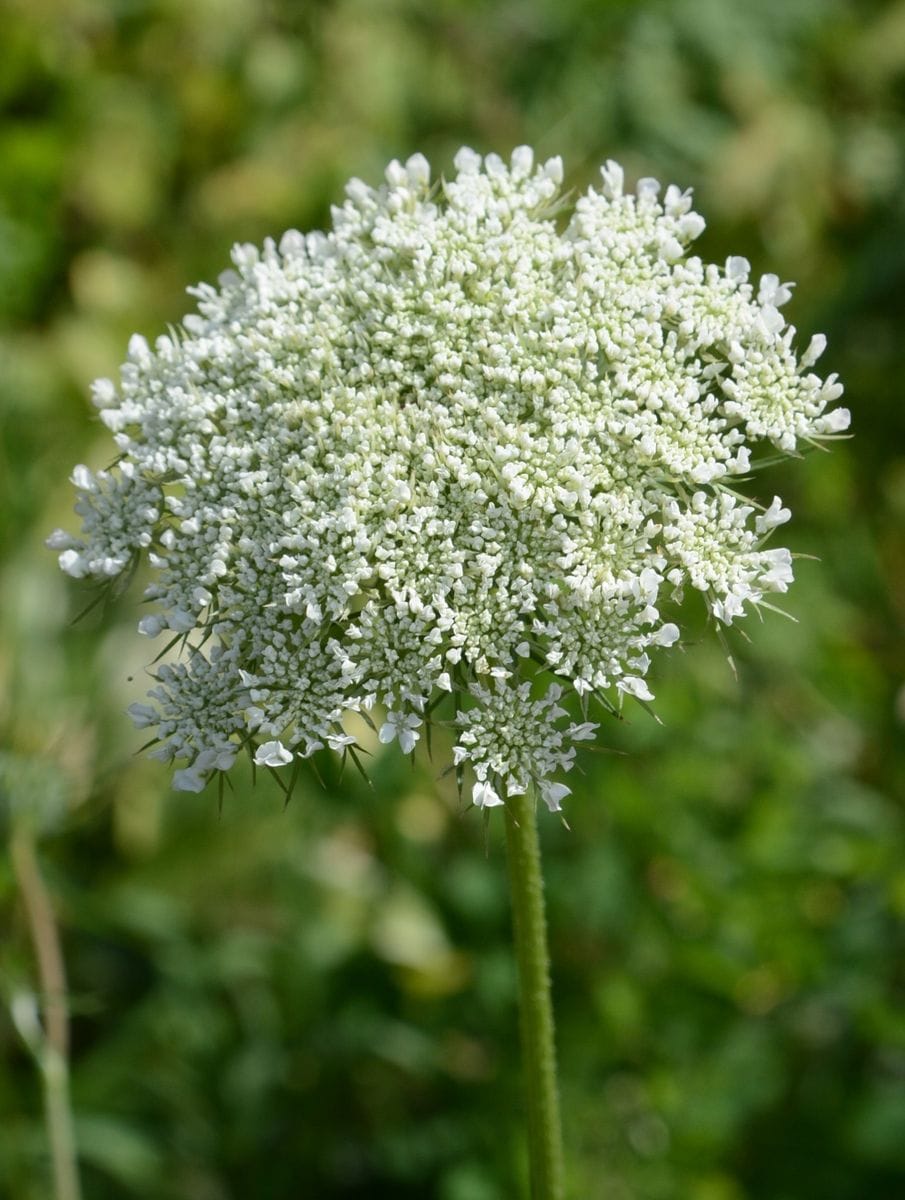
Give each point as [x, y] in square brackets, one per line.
[319, 1002]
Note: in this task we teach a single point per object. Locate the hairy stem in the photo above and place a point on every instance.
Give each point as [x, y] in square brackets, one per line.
[535, 1003]
[54, 1053]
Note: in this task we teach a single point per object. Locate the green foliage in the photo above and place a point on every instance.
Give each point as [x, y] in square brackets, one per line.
[320, 1000]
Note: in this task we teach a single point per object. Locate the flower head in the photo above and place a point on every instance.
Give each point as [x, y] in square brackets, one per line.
[451, 446]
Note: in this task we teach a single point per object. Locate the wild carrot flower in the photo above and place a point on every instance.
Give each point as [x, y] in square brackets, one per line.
[458, 444]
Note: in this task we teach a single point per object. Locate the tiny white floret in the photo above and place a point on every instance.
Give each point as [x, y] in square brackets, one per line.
[272, 754]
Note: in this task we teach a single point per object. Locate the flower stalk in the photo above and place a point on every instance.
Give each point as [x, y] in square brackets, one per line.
[535, 1001]
[52, 1048]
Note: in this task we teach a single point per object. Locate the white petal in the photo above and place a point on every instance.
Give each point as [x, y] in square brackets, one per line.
[467, 162]
[553, 794]
[272, 754]
[521, 162]
[73, 564]
[187, 780]
[484, 796]
[59, 540]
[143, 715]
[774, 515]
[83, 478]
[836, 421]
[585, 732]
[407, 739]
[418, 170]
[180, 621]
[633, 686]
[338, 740]
[816, 347]
[666, 635]
[737, 268]
[613, 179]
[648, 189]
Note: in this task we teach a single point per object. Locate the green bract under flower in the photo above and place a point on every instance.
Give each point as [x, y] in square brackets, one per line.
[451, 446]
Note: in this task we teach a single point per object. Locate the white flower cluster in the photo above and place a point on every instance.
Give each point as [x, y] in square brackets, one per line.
[452, 449]
[511, 740]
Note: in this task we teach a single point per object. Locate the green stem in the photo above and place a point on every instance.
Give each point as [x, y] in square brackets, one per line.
[54, 1052]
[535, 1003]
